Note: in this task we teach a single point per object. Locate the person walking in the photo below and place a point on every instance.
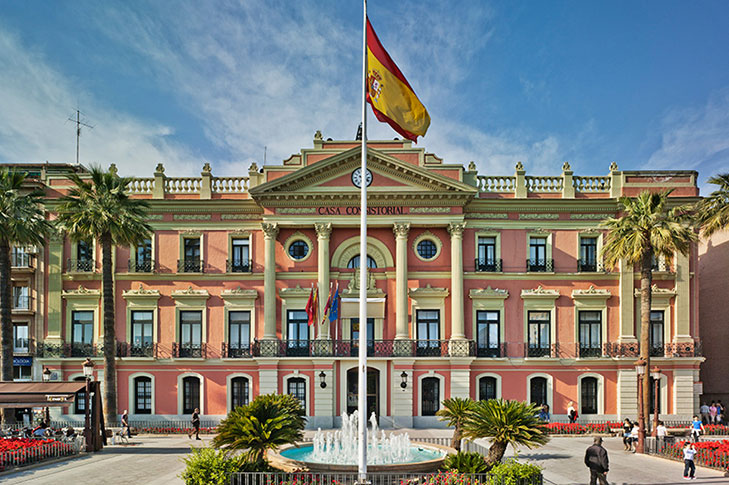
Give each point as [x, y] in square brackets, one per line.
[704, 410]
[689, 468]
[712, 413]
[634, 435]
[125, 424]
[596, 459]
[719, 412]
[571, 412]
[195, 424]
[696, 427]
[627, 427]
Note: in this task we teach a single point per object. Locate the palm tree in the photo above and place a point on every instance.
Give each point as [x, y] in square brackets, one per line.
[454, 412]
[504, 422]
[713, 211]
[268, 422]
[647, 229]
[22, 222]
[99, 208]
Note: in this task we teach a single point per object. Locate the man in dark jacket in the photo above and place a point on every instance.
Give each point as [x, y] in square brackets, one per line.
[596, 459]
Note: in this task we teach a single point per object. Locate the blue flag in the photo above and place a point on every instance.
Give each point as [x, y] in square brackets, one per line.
[334, 309]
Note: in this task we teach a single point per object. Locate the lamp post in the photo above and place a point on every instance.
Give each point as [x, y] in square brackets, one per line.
[404, 377]
[640, 366]
[88, 367]
[656, 375]
[46, 378]
[322, 380]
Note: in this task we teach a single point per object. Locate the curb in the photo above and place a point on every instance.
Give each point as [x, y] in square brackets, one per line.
[40, 464]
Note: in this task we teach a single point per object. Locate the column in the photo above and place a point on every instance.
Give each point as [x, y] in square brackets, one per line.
[55, 288]
[324, 404]
[270, 232]
[461, 377]
[401, 230]
[627, 303]
[627, 393]
[323, 231]
[457, 323]
[267, 376]
[683, 300]
[401, 398]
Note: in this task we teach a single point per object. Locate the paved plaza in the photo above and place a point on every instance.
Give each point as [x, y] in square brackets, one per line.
[158, 460]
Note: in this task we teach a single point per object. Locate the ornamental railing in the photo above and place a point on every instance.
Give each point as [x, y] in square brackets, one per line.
[66, 350]
[589, 266]
[234, 266]
[190, 266]
[80, 265]
[137, 350]
[540, 265]
[488, 265]
[189, 351]
[498, 350]
[236, 351]
[144, 266]
[543, 350]
[543, 184]
[379, 478]
[496, 183]
[583, 350]
[350, 348]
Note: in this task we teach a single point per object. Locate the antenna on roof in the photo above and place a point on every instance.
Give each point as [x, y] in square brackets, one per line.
[79, 124]
[265, 148]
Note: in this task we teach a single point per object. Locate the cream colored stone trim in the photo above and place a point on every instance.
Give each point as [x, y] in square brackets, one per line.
[191, 235]
[487, 374]
[229, 388]
[133, 394]
[241, 235]
[600, 392]
[660, 301]
[133, 253]
[591, 299]
[542, 235]
[540, 299]
[427, 235]
[441, 390]
[180, 389]
[350, 248]
[497, 241]
[298, 236]
[488, 299]
[191, 300]
[292, 299]
[83, 299]
[550, 392]
[428, 298]
[239, 299]
[144, 300]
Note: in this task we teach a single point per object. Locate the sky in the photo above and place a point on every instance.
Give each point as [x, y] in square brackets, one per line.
[644, 84]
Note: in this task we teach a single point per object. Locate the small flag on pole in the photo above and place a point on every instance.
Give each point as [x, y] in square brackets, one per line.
[327, 306]
[392, 98]
[311, 304]
[334, 309]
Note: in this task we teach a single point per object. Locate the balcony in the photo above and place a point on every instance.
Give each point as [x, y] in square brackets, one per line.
[531, 350]
[589, 266]
[657, 350]
[80, 266]
[190, 266]
[586, 351]
[632, 350]
[488, 265]
[140, 350]
[661, 266]
[144, 266]
[238, 266]
[21, 260]
[22, 303]
[540, 265]
[236, 351]
[189, 351]
[70, 350]
[491, 351]
[375, 348]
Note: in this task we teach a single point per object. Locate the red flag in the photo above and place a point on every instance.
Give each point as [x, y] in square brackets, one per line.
[327, 306]
[311, 306]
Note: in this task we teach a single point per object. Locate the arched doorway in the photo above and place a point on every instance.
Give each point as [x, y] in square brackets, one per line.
[373, 391]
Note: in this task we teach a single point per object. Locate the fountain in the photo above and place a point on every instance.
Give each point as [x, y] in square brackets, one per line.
[338, 451]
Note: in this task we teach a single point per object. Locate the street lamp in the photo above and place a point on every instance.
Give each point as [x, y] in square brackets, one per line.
[656, 375]
[46, 378]
[323, 380]
[88, 367]
[640, 366]
[404, 377]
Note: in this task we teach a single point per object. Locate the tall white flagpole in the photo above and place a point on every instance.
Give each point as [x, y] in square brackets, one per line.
[362, 387]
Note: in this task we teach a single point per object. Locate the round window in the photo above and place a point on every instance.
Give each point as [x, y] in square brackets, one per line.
[427, 249]
[298, 249]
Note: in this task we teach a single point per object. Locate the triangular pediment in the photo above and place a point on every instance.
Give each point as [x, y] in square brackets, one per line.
[331, 179]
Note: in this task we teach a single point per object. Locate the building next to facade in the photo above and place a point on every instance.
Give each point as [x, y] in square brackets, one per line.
[479, 286]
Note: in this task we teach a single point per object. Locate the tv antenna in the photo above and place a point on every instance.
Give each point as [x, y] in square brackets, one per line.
[79, 124]
[265, 149]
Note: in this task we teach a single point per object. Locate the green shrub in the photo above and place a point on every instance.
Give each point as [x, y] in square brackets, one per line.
[511, 472]
[465, 462]
[210, 466]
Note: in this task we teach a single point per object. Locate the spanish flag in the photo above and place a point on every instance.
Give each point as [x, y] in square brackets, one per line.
[392, 98]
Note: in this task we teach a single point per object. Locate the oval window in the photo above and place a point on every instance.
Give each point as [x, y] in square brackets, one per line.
[298, 249]
[427, 249]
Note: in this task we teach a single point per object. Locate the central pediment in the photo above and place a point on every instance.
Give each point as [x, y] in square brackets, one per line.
[330, 181]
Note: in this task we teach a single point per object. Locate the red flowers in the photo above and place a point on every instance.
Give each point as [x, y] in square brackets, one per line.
[575, 428]
[22, 451]
[708, 453]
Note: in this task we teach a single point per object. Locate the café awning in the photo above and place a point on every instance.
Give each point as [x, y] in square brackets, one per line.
[38, 394]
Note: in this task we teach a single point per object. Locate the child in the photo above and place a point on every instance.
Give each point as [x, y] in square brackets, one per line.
[627, 427]
[697, 427]
[689, 468]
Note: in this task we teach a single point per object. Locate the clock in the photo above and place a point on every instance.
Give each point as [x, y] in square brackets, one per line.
[357, 178]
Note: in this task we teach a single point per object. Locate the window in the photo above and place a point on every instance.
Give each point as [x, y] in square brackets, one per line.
[428, 323]
[240, 261]
[22, 373]
[239, 392]
[190, 394]
[20, 337]
[297, 333]
[354, 262]
[21, 298]
[486, 388]
[143, 257]
[79, 403]
[82, 333]
[239, 333]
[191, 254]
[427, 249]
[538, 391]
[141, 335]
[590, 333]
[190, 334]
[19, 257]
[355, 336]
[538, 255]
[142, 395]
[430, 396]
[539, 334]
[84, 256]
[588, 254]
[657, 326]
[487, 334]
[588, 395]
[296, 386]
[298, 249]
[486, 260]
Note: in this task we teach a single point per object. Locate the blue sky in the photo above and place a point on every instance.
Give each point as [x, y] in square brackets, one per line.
[645, 84]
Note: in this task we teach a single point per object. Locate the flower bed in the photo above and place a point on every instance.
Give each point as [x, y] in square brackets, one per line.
[716, 429]
[713, 454]
[576, 428]
[175, 430]
[24, 451]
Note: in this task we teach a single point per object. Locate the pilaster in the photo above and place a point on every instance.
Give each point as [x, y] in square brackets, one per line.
[324, 397]
[627, 303]
[457, 323]
[267, 376]
[323, 232]
[683, 392]
[683, 300]
[270, 233]
[55, 287]
[627, 393]
[460, 378]
[401, 230]
[402, 398]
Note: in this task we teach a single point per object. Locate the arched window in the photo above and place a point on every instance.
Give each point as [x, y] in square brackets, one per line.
[430, 396]
[79, 404]
[538, 390]
[588, 395]
[190, 394]
[239, 392]
[486, 388]
[142, 395]
[297, 388]
[354, 262]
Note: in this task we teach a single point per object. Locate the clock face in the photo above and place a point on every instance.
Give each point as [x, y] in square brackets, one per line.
[357, 178]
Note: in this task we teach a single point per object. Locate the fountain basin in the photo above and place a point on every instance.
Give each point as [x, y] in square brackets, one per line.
[290, 458]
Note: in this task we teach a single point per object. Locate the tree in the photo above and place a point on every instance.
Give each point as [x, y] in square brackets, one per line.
[269, 421]
[98, 208]
[22, 222]
[713, 211]
[454, 412]
[504, 422]
[647, 229]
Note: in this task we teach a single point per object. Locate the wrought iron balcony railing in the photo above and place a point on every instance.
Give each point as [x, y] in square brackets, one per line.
[143, 266]
[657, 350]
[589, 266]
[190, 266]
[236, 351]
[548, 350]
[488, 265]
[375, 348]
[21, 260]
[188, 350]
[498, 350]
[582, 350]
[69, 350]
[136, 350]
[238, 266]
[80, 265]
[540, 265]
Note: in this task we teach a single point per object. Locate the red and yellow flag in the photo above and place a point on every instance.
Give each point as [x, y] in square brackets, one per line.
[392, 98]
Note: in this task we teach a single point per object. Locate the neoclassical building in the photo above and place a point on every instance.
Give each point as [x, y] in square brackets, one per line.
[479, 286]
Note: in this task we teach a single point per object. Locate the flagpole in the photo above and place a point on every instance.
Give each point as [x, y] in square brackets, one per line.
[362, 387]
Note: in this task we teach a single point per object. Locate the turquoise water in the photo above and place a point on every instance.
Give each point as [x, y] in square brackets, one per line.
[303, 453]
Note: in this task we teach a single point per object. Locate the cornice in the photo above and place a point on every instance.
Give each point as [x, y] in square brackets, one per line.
[190, 292]
[81, 291]
[657, 292]
[540, 292]
[488, 292]
[297, 292]
[427, 292]
[239, 293]
[141, 292]
[591, 293]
